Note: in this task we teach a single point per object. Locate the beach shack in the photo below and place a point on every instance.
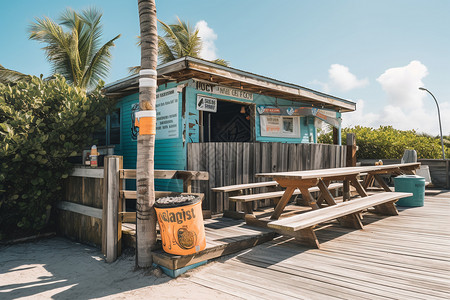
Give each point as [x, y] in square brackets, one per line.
[202, 102]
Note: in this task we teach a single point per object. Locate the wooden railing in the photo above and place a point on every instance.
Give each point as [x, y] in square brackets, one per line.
[114, 213]
[94, 207]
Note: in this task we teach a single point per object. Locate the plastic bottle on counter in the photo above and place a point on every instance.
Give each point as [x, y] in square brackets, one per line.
[94, 156]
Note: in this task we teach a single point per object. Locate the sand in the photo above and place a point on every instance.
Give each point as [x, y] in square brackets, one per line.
[57, 268]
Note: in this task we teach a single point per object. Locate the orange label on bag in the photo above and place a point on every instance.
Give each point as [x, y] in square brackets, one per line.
[182, 230]
[147, 125]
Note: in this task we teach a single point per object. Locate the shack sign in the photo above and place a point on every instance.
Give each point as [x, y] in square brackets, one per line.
[208, 87]
[206, 103]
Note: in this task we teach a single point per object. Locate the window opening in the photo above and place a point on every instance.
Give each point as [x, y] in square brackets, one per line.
[231, 123]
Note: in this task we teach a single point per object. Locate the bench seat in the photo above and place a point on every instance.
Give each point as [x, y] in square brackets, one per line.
[244, 186]
[301, 226]
[277, 194]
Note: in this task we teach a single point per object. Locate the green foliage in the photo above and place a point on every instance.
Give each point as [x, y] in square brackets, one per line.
[42, 124]
[386, 142]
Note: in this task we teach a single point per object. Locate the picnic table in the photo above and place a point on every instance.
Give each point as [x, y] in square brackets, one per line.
[348, 214]
[303, 180]
[322, 178]
[374, 172]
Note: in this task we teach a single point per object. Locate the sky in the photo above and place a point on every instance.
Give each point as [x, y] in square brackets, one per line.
[374, 53]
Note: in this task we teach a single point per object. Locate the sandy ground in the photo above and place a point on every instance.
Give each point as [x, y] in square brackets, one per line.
[58, 268]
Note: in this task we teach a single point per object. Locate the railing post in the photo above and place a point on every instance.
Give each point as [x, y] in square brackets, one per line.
[351, 150]
[111, 206]
[447, 176]
[335, 136]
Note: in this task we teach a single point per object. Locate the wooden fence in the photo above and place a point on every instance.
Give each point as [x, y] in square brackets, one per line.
[88, 214]
[439, 171]
[94, 206]
[234, 163]
[80, 213]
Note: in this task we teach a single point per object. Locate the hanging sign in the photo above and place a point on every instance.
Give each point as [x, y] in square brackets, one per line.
[166, 115]
[327, 116]
[206, 103]
[213, 88]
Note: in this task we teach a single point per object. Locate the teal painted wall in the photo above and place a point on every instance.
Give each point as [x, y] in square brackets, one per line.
[308, 131]
[169, 153]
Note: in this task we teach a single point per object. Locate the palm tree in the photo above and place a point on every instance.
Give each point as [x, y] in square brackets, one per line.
[145, 213]
[179, 40]
[8, 76]
[76, 54]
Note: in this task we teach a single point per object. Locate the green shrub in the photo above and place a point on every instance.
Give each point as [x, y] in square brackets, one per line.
[386, 142]
[42, 124]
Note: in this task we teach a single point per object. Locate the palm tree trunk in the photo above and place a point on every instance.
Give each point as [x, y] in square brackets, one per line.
[146, 216]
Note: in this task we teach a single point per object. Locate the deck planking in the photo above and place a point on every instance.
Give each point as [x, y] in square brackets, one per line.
[395, 257]
[224, 236]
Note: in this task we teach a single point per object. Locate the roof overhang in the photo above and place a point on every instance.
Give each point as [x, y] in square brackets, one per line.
[188, 68]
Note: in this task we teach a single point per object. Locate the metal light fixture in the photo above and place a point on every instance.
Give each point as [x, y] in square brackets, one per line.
[439, 116]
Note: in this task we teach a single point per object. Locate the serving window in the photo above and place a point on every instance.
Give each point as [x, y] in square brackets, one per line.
[280, 126]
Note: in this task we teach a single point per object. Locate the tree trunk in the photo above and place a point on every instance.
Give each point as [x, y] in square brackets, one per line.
[146, 216]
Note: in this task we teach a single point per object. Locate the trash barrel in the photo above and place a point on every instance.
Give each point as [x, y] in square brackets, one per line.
[410, 184]
[181, 224]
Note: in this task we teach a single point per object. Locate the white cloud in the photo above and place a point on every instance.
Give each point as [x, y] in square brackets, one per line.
[208, 37]
[419, 118]
[401, 84]
[360, 117]
[405, 106]
[325, 87]
[340, 78]
[343, 79]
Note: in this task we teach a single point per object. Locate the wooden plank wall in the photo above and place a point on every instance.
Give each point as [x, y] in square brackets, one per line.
[235, 163]
[439, 171]
[88, 192]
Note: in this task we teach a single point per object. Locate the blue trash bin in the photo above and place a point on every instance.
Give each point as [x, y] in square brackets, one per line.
[410, 184]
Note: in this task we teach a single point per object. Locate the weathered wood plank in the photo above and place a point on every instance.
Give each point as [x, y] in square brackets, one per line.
[315, 217]
[168, 174]
[112, 213]
[87, 172]
[80, 209]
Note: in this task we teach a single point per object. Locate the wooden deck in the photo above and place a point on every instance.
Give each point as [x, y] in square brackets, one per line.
[396, 257]
[224, 236]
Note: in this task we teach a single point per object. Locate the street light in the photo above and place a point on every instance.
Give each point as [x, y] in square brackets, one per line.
[439, 115]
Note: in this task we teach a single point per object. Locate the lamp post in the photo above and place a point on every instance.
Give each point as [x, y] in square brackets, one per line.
[439, 116]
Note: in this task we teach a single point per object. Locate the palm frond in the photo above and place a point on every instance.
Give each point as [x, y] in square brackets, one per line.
[99, 66]
[8, 76]
[91, 33]
[179, 40]
[172, 40]
[134, 70]
[58, 46]
[165, 54]
[221, 62]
